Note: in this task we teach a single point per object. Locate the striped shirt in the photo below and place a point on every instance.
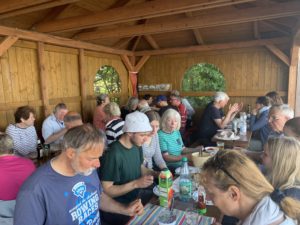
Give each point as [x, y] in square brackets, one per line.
[25, 139]
[172, 144]
[114, 130]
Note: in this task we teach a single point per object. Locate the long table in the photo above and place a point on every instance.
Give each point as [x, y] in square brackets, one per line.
[242, 142]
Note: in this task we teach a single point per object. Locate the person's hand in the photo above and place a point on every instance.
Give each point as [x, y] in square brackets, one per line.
[144, 181]
[254, 111]
[135, 208]
[234, 108]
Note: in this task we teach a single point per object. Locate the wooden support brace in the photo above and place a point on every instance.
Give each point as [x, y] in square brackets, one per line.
[83, 82]
[141, 63]
[277, 52]
[129, 66]
[7, 43]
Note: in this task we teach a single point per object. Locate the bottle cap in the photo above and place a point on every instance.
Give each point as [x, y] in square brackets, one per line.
[184, 159]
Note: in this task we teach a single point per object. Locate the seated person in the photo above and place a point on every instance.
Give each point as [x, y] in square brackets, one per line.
[67, 190]
[53, 128]
[72, 119]
[292, 128]
[114, 124]
[143, 106]
[275, 98]
[130, 107]
[170, 141]
[14, 171]
[259, 124]
[151, 147]
[213, 117]
[175, 101]
[23, 132]
[282, 172]
[239, 189]
[99, 116]
[122, 174]
[278, 116]
[162, 104]
[148, 98]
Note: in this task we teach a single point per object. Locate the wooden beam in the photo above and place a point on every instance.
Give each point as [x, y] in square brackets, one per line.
[43, 78]
[293, 76]
[198, 36]
[11, 5]
[149, 9]
[83, 83]
[34, 8]
[214, 19]
[137, 41]
[275, 27]
[141, 63]
[297, 100]
[211, 47]
[34, 36]
[129, 66]
[123, 42]
[7, 43]
[151, 41]
[256, 30]
[278, 53]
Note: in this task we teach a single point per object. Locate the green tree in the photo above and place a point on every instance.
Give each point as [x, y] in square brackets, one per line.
[203, 77]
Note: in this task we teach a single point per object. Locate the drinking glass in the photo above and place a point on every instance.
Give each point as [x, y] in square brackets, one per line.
[220, 145]
[191, 216]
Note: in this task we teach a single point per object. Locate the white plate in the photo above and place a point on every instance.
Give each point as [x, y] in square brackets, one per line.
[211, 149]
[227, 138]
[195, 195]
[192, 169]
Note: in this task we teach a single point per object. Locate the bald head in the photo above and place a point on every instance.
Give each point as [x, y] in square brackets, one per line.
[72, 119]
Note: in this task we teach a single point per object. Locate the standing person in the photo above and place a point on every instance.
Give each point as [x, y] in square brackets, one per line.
[130, 107]
[275, 98]
[151, 147]
[122, 175]
[53, 128]
[282, 172]
[239, 189]
[162, 104]
[67, 190]
[23, 132]
[176, 102]
[259, 124]
[213, 117]
[115, 123]
[99, 115]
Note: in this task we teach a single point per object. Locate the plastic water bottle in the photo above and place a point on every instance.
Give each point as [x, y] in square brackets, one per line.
[243, 126]
[39, 149]
[185, 182]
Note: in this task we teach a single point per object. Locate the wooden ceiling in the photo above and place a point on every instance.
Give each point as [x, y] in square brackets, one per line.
[158, 26]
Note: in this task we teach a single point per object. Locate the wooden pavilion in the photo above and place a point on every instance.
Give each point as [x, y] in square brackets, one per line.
[50, 50]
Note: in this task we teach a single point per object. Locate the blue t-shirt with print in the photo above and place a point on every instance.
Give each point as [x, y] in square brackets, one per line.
[49, 198]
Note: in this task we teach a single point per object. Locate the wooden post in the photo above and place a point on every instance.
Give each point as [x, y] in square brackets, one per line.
[83, 81]
[297, 106]
[43, 78]
[293, 76]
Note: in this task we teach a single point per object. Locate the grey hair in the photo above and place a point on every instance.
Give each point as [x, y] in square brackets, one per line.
[112, 109]
[6, 144]
[170, 113]
[283, 109]
[220, 96]
[101, 98]
[82, 138]
[59, 106]
[72, 116]
[132, 102]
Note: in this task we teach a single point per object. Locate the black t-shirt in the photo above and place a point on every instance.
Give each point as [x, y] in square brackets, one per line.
[207, 127]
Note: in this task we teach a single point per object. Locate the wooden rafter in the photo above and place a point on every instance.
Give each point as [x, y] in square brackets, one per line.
[7, 43]
[11, 5]
[136, 42]
[34, 36]
[234, 16]
[196, 32]
[211, 47]
[275, 27]
[151, 41]
[278, 53]
[128, 64]
[135, 12]
[36, 7]
[123, 42]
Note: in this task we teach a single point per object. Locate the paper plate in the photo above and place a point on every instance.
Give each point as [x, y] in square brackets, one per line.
[227, 138]
[211, 149]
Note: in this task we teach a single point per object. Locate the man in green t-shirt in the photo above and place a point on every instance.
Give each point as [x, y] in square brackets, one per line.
[122, 174]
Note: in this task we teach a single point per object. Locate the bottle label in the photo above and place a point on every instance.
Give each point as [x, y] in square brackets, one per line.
[185, 188]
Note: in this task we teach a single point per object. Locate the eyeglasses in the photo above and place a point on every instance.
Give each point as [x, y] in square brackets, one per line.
[220, 166]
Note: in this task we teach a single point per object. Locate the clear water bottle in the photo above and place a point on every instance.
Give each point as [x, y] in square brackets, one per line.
[185, 182]
[39, 149]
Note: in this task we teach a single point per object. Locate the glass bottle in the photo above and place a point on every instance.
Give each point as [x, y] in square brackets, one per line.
[185, 182]
[39, 149]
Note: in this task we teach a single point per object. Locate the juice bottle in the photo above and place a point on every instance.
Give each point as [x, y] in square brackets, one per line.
[165, 182]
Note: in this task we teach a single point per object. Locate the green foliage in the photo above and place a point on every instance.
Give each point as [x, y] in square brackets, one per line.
[107, 81]
[203, 77]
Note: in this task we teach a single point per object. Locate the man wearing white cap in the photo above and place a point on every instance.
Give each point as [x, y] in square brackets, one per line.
[121, 174]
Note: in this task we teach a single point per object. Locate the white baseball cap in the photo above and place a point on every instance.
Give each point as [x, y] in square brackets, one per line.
[137, 122]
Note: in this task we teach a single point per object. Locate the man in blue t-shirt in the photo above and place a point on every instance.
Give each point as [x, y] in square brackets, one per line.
[213, 117]
[67, 190]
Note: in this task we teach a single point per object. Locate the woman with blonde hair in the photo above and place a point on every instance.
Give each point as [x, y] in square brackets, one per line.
[170, 140]
[238, 188]
[281, 159]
